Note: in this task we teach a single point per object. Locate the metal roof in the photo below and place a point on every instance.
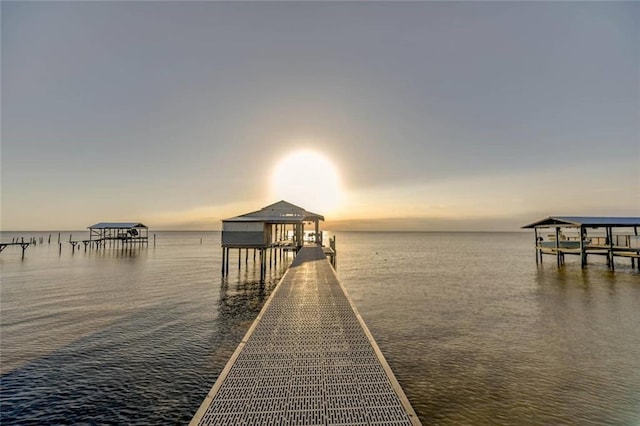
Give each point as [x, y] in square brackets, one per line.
[584, 221]
[117, 225]
[280, 212]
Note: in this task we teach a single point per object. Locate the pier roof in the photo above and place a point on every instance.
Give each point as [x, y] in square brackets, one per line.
[584, 221]
[117, 225]
[280, 212]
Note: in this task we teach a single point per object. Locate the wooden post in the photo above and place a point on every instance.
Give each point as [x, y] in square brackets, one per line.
[223, 255]
[535, 234]
[265, 263]
[583, 260]
[239, 253]
[610, 233]
[335, 254]
[558, 246]
[154, 240]
[635, 232]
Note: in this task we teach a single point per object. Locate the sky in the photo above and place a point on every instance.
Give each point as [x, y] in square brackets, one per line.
[413, 115]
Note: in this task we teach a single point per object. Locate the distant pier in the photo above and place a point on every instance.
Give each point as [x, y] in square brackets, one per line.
[586, 236]
[308, 359]
[23, 245]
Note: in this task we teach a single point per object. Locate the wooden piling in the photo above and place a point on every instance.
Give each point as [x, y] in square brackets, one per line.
[611, 258]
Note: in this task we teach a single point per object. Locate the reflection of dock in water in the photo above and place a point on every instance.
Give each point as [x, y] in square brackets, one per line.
[307, 359]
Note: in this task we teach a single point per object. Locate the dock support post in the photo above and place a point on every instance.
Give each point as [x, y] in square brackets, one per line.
[583, 259]
[535, 233]
[635, 232]
[558, 246]
[24, 248]
[224, 250]
[610, 235]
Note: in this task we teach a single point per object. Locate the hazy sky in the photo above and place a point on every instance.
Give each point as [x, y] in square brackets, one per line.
[435, 115]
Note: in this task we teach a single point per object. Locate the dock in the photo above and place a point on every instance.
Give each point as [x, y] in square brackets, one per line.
[308, 359]
[23, 245]
[610, 237]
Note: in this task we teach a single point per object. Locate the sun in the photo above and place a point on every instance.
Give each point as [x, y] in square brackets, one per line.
[308, 179]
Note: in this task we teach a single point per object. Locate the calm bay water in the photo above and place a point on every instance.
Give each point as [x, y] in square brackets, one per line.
[475, 332]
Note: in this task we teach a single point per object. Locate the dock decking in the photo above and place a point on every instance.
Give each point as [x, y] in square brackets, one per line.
[308, 359]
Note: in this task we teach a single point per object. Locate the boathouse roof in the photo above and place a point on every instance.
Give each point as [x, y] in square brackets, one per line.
[117, 225]
[584, 221]
[280, 212]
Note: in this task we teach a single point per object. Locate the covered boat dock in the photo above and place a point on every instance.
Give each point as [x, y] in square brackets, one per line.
[586, 235]
[117, 233]
[272, 231]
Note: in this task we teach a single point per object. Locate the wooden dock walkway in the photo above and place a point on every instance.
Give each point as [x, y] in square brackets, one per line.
[308, 359]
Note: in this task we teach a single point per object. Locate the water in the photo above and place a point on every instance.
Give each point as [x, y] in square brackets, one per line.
[474, 331]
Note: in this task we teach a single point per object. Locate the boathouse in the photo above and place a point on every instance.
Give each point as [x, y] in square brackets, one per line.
[583, 236]
[272, 230]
